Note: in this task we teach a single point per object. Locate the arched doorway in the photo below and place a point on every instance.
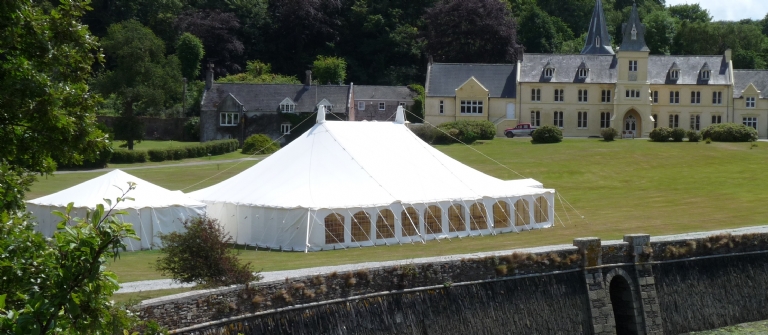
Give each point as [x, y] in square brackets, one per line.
[623, 306]
[632, 124]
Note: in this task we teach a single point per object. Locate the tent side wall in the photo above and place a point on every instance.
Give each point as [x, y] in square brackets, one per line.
[274, 228]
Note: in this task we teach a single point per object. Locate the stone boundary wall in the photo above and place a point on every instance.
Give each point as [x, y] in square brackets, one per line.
[634, 282]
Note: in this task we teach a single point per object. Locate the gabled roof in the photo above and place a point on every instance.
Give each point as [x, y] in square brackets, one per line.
[444, 78]
[689, 66]
[598, 40]
[742, 79]
[633, 33]
[267, 97]
[371, 92]
[602, 68]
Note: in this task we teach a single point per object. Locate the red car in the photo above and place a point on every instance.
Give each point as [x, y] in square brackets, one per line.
[521, 129]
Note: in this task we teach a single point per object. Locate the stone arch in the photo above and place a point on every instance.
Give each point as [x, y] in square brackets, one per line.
[624, 299]
[638, 120]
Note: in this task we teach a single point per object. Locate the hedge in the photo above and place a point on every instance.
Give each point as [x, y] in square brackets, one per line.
[456, 131]
[212, 148]
[661, 134]
[547, 134]
[98, 162]
[730, 132]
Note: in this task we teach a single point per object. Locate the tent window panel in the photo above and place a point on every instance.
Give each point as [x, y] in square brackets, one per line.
[433, 220]
[456, 218]
[501, 215]
[541, 210]
[521, 213]
[409, 218]
[334, 229]
[385, 224]
[477, 217]
[361, 227]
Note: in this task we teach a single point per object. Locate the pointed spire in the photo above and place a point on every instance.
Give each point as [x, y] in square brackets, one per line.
[598, 40]
[633, 33]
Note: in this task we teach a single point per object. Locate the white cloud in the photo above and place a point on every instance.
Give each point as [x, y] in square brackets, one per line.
[731, 10]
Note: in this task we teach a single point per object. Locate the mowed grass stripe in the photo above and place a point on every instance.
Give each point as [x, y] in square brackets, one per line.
[621, 187]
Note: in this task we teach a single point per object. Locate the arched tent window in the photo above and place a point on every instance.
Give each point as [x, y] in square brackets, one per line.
[501, 215]
[477, 219]
[456, 218]
[540, 210]
[409, 219]
[361, 227]
[433, 220]
[334, 229]
[385, 224]
[521, 213]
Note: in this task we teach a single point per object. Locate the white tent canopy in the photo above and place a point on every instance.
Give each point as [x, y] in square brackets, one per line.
[329, 187]
[155, 209]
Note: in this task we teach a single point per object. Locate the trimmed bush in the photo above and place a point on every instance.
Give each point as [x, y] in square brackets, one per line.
[157, 155]
[260, 144]
[661, 134]
[547, 134]
[122, 156]
[609, 134]
[693, 136]
[98, 162]
[678, 134]
[730, 132]
[466, 131]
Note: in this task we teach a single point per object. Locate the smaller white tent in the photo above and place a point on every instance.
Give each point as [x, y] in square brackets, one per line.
[154, 210]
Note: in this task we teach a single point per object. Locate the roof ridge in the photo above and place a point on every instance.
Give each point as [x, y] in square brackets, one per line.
[494, 64]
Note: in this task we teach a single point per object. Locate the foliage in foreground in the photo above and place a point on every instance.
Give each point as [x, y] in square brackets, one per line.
[260, 144]
[59, 285]
[203, 254]
[547, 134]
[730, 132]
[609, 134]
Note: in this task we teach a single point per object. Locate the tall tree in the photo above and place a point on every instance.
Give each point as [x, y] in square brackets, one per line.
[218, 32]
[471, 31]
[47, 114]
[660, 29]
[190, 53]
[543, 33]
[141, 76]
[690, 13]
[574, 13]
[332, 70]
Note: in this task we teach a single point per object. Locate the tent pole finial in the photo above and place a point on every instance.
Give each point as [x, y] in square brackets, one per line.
[321, 114]
[400, 116]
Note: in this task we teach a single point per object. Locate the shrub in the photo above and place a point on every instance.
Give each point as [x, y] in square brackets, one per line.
[122, 156]
[260, 144]
[157, 155]
[609, 134]
[678, 134]
[693, 136]
[466, 131]
[431, 134]
[661, 134]
[203, 254]
[547, 134]
[729, 132]
[192, 129]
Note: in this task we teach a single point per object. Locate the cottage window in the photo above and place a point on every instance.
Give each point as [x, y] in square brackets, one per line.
[717, 119]
[535, 118]
[606, 96]
[535, 94]
[361, 105]
[441, 110]
[385, 224]
[581, 120]
[471, 107]
[409, 220]
[559, 96]
[456, 218]
[605, 120]
[633, 66]
[750, 102]
[696, 97]
[558, 119]
[674, 120]
[229, 119]
[749, 121]
[695, 122]
[674, 97]
[477, 217]
[401, 104]
[361, 227]
[334, 229]
[285, 128]
[287, 107]
[583, 96]
[382, 106]
[433, 220]
[501, 215]
[717, 98]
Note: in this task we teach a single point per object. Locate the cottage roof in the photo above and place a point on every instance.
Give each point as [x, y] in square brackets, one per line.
[267, 97]
[371, 92]
[602, 68]
[444, 78]
[742, 79]
[689, 66]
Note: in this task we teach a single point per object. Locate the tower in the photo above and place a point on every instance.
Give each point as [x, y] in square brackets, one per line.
[632, 106]
[598, 40]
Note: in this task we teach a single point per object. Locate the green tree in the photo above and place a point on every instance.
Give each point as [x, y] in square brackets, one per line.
[690, 13]
[140, 75]
[660, 29]
[416, 114]
[46, 110]
[258, 72]
[543, 33]
[329, 70]
[60, 285]
[189, 50]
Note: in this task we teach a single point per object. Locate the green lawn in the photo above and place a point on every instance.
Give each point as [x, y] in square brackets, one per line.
[621, 187]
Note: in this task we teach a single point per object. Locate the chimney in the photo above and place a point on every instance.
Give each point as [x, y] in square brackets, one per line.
[308, 78]
[728, 53]
[209, 77]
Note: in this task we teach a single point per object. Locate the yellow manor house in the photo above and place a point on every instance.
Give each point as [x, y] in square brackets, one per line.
[629, 89]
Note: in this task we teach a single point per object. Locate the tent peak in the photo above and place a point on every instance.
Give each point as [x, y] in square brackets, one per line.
[400, 115]
[321, 114]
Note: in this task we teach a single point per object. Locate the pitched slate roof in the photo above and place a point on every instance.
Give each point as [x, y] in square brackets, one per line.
[690, 66]
[627, 42]
[598, 40]
[602, 68]
[742, 79]
[444, 78]
[267, 97]
[369, 92]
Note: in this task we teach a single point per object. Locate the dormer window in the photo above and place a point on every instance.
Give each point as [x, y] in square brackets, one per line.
[327, 104]
[674, 74]
[583, 72]
[597, 41]
[288, 106]
[705, 75]
[634, 32]
[705, 72]
[549, 72]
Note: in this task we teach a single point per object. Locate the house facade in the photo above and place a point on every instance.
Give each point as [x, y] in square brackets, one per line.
[628, 89]
[238, 110]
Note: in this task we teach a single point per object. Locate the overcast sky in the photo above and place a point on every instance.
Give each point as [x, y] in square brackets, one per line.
[730, 10]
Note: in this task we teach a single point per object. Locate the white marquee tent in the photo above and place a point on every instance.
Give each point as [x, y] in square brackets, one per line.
[349, 184]
[155, 209]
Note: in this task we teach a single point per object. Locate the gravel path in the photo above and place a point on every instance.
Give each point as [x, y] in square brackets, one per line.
[162, 284]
